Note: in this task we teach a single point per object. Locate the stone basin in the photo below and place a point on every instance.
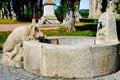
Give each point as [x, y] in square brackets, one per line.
[71, 57]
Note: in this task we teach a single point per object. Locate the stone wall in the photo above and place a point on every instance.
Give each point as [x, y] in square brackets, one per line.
[71, 61]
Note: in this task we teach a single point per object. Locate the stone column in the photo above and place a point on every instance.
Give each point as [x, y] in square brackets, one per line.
[92, 4]
[49, 8]
[98, 8]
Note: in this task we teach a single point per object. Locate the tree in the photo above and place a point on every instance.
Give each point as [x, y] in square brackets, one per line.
[61, 10]
[63, 6]
[18, 9]
[1, 1]
[40, 6]
[70, 15]
[118, 7]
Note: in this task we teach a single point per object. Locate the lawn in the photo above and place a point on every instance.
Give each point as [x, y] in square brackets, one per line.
[76, 33]
[4, 35]
[9, 21]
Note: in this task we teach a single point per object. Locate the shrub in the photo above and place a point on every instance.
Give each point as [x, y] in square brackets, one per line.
[88, 20]
[84, 14]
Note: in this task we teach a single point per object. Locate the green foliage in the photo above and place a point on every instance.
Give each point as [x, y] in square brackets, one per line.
[76, 33]
[88, 20]
[84, 14]
[3, 37]
[60, 12]
[118, 7]
[5, 4]
[62, 29]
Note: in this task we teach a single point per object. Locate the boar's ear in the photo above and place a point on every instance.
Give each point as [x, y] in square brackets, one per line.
[36, 29]
[32, 27]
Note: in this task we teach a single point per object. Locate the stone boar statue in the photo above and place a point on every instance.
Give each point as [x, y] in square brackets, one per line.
[13, 46]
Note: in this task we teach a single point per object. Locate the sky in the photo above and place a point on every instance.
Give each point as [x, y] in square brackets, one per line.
[84, 4]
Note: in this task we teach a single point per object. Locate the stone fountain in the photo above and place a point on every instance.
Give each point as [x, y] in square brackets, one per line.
[76, 57]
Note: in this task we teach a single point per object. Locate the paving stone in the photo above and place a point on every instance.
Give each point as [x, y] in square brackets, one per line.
[0, 55]
[6, 71]
[13, 70]
[1, 66]
[4, 78]
[38, 78]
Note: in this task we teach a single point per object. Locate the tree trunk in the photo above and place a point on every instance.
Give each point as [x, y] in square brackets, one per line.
[1, 8]
[41, 5]
[70, 18]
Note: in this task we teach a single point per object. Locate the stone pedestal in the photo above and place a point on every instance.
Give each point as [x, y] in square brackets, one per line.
[92, 9]
[49, 16]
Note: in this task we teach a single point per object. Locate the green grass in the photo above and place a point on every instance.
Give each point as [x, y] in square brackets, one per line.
[9, 21]
[4, 35]
[76, 33]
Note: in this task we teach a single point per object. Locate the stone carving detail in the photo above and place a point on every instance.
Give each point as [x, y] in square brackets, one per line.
[13, 46]
[106, 30]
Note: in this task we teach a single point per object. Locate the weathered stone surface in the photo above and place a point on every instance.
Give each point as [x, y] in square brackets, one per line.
[71, 60]
[104, 59]
[20, 74]
[65, 61]
[106, 30]
[32, 61]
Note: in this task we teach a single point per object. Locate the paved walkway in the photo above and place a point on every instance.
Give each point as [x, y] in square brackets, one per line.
[10, 73]
[10, 27]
